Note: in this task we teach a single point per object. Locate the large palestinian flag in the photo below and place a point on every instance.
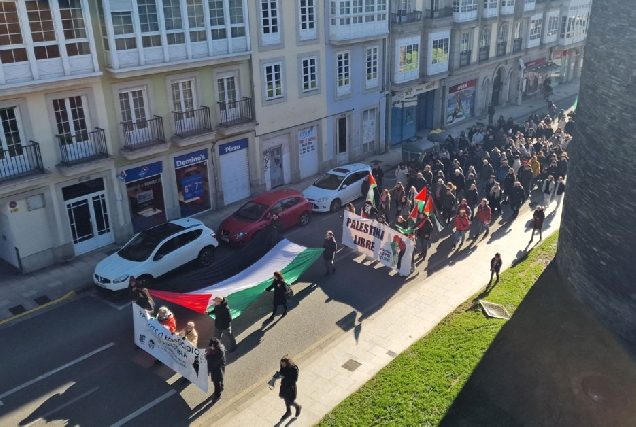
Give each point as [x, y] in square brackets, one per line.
[243, 288]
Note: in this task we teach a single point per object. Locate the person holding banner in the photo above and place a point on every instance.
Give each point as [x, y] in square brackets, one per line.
[280, 288]
[215, 356]
[166, 318]
[190, 333]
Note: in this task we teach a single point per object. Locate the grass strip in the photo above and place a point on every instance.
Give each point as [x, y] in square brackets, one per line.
[419, 385]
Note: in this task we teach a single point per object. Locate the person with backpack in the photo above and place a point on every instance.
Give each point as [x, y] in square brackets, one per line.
[330, 246]
[223, 321]
[280, 289]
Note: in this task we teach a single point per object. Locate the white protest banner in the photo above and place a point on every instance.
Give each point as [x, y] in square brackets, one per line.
[378, 241]
[170, 349]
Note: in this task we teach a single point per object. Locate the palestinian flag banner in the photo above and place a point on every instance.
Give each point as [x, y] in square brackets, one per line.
[373, 185]
[242, 289]
[419, 201]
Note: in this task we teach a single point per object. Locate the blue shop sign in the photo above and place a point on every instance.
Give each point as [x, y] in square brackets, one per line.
[230, 147]
[190, 159]
[192, 187]
[141, 172]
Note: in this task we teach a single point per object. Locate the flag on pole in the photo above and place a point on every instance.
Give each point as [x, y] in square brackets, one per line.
[429, 209]
[418, 203]
[372, 186]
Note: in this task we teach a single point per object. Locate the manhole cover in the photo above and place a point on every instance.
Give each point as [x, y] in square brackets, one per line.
[604, 391]
[494, 310]
[351, 365]
[18, 309]
[42, 300]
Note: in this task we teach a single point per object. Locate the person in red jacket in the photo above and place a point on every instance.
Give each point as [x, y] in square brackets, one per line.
[483, 215]
[166, 318]
[462, 223]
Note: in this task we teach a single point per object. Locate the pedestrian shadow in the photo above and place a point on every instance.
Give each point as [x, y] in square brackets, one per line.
[348, 322]
[437, 260]
[286, 423]
[504, 228]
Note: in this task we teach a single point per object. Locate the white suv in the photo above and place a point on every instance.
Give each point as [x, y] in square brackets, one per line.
[155, 252]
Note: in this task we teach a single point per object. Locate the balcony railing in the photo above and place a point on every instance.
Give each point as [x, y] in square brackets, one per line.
[235, 112]
[516, 45]
[143, 133]
[464, 58]
[484, 53]
[404, 17]
[20, 160]
[82, 146]
[501, 49]
[192, 122]
[438, 13]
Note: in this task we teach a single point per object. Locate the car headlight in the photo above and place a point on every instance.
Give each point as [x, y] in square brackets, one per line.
[121, 278]
[240, 234]
[323, 199]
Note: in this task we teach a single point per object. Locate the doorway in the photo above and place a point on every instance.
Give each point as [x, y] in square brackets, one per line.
[276, 175]
[425, 105]
[497, 85]
[342, 139]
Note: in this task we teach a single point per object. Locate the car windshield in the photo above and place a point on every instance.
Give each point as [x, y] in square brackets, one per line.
[329, 181]
[143, 244]
[251, 211]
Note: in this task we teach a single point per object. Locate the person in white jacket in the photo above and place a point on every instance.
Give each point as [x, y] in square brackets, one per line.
[548, 191]
[402, 173]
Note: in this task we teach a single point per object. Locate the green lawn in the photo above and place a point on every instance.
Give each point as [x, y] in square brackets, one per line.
[419, 385]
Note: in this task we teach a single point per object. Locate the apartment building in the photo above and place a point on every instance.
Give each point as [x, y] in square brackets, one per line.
[450, 59]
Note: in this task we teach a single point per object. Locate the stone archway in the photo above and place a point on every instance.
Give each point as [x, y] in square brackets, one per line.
[498, 86]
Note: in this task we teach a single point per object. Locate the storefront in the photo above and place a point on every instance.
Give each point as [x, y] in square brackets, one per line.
[413, 110]
[534, 74]
[234, 167]
[461, 102]
[144, 190]
[193, 183]
[308, 151]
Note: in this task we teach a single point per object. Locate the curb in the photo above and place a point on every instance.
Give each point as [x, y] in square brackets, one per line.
[40, 307]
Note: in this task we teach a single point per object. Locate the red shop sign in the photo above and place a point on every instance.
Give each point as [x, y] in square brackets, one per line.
[535, 63]
[462, 86]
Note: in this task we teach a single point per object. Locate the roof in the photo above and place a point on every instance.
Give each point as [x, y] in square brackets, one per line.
[345, 169]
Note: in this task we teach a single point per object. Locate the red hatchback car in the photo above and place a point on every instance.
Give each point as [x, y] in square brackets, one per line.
[239, 228]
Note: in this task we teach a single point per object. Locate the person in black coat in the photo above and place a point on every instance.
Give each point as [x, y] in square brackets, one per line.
[223, 321]
[330, 246]
[144, 299]
[423, 234]
[215, 355]
[280, 288]
[378, 174]
[517, 197]
[288, 391]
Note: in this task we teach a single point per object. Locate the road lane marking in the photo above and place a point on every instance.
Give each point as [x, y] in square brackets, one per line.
[54, 371]
[59, 408]
[112, 304]
[143, 409]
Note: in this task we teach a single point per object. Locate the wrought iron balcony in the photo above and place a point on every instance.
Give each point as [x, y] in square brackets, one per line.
[501, 48]
[464, 58]
[82, 146]
[143, 133]
[235, 112]
[404, 17]
[516, 45]
[188, 123]
[484, 53]
[20, 160]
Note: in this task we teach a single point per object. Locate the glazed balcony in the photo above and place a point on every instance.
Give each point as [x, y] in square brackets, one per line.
[404, 17]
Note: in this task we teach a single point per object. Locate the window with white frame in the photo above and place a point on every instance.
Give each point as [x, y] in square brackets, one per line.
[148, 23]
[70, 118]
[407, 60]
[343, 68]
[509, 3]
[183, 95]
[11, 140]
[173, 21]
[372, 78]
[356, 11]
[132, 104]
[307, 19]
[74, 28]
[553, 26]
[502, 36]
[368, 130]
[484, 38]
[237, 20]
[217, 19]
[536, 24]
[346, 12]
[40, 17]
[490, 4]
[466, 42]
[196, 20]
[123, 31]
[440, 51]
[273, 80]
[12, 48]
[227, 90]
[310, 73]
[270, 22]
[463, 6]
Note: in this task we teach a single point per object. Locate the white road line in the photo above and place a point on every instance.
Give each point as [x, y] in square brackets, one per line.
[143, 409]
[56, 370]
[113, 305]
[59, 408]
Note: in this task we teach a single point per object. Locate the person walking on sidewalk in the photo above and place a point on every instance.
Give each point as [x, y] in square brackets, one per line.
[559, 191]
[491, 114]
[288, 390]
[548, 190]
[537, 223]
[223, 321]
[462, 223]
[330, 246]
[495, 267]
[280, 289]
[483, 215]
[517, 197]
[215, 355]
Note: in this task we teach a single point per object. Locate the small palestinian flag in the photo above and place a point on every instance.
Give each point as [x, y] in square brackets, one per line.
[371, 192]
[429, 209]
[420, 200]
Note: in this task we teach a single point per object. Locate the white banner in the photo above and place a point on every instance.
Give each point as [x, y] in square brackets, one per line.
[378, 241]
[172, 350]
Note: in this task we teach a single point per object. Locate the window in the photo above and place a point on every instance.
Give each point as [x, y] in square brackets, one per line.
[518, 30]
[217, 19]
[553, 26]
[270, 30]
[368, 134]
[11, 44]
[10, 139]
[172, 19]
[372, 79]
[274, 81]
[509, 3]
[535, 28]
[123, 31]
[484, 38]
[237, 23]
[440, 51]
[345, 12]
[42, 29]
[133, 106]
[466, 43]
[490, 4]
[196, 20]
[407, 61]
[307, 10]
[464, 5]
[310, 74]
[227, 90]
[189, 237]
[149, 23]
[182, 95]
[502, 37]
[343, 71]
[168, 247]
[74, 28]
[70, 117]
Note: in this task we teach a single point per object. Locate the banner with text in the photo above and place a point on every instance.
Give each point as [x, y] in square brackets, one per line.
[172, 350]
[378, 241]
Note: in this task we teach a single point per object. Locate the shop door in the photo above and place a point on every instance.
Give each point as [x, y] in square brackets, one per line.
[234, 172]
[425, 103]
[276, 166]
[89, 221]
[342, 138]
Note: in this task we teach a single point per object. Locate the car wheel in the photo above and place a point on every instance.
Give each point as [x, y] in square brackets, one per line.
[336, 205]
[304, 219]
[144, 281]
[206, 256]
